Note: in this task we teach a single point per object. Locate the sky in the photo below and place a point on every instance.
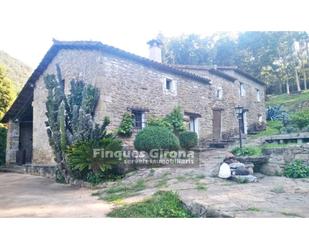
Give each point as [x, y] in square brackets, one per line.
[28, 27]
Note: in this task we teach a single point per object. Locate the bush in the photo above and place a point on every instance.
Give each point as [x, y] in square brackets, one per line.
[188, 139]
[3, 132]
[300, 119]
[88, 166]
[175, 118]
[160, 205]
[247, 151]
[126, 126]
[155, 137]
[296, 169]
[160, 122]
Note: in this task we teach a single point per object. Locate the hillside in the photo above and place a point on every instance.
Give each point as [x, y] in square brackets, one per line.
[291, 103]
[18, 72]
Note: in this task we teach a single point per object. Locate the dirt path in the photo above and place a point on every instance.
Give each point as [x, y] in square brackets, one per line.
[34, 196]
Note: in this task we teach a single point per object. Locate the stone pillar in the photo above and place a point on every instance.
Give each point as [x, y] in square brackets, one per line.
[12, 142]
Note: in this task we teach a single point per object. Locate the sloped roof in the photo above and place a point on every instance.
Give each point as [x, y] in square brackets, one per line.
[211, 70]
[220, 71]
[241, 72]
[26, 94]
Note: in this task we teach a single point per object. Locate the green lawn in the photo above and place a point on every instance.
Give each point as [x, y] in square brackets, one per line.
[160, 205]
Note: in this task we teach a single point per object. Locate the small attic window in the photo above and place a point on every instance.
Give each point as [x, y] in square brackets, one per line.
[219, 93]
[168, 84]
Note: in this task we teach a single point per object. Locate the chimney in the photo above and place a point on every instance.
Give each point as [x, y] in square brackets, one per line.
[155, 50]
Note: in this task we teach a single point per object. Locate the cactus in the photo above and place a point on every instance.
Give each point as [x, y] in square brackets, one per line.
[70, 118]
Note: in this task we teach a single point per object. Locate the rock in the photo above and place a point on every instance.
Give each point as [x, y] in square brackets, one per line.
[237, 165]
[240, 171]
[228, 155]
[224, 171]
[230, 160]
[244, 179]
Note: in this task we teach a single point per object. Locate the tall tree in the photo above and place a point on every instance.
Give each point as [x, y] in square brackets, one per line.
[7, 92]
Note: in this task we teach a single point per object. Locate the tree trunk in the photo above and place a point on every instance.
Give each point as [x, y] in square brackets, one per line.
[297, 81]
[305, 80]
[287, 87]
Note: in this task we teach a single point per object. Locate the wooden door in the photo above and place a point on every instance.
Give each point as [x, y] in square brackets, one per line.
[216, 124]
[25, 141]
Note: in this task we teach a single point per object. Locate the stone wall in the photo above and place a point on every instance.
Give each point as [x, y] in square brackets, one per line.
[280, 157]
[125, 84]
[12, 142]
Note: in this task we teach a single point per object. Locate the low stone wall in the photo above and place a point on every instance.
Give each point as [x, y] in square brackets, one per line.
[280, 157]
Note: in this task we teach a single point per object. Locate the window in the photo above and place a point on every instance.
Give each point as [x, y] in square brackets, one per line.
[242, 90]
[258, 96]
[139, 119]
[168, 84]
[193, 124]
[219, 93]
[260, 118]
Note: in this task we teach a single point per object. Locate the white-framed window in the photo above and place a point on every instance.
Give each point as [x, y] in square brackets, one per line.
[219, 93]
[139, 119]
[169, 86]
[193, 124]
[258, 95]
[242, 90]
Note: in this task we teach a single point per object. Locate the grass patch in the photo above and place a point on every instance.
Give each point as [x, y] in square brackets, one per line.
[121, 191]
[291, 214]
[247, 151]
[181, 178]
[161, 183]
[274, 145]
[278, 190]
[290, 102]
[160, 205]
[254, 209]
[272, 128]
[201, 186]
[199, 176]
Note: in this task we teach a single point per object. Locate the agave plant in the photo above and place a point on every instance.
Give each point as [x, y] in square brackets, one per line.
[277, 112]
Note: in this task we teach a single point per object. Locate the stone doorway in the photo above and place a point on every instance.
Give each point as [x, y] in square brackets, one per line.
[217, 124]
[24, 153]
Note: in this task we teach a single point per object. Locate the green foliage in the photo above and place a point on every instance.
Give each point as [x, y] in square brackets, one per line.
[301, 119]
[17, 71]
[119, 192]
[276, 112]
[155, 137]
[3, 134]
[7, 92]
[160, 205]
[82, 155]
[126, 126]
[71, 127]
[269, 56]
[296, 169]
[272, 128]
[247, 151]
[175, 118]
[160, 122]
[188, 139]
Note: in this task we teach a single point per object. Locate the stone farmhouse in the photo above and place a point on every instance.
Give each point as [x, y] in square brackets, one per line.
[127, 82]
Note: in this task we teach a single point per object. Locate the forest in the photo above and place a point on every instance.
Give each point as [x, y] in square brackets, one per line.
[278, 58]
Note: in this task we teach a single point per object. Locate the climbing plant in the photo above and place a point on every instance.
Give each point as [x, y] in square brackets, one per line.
[126, 126]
